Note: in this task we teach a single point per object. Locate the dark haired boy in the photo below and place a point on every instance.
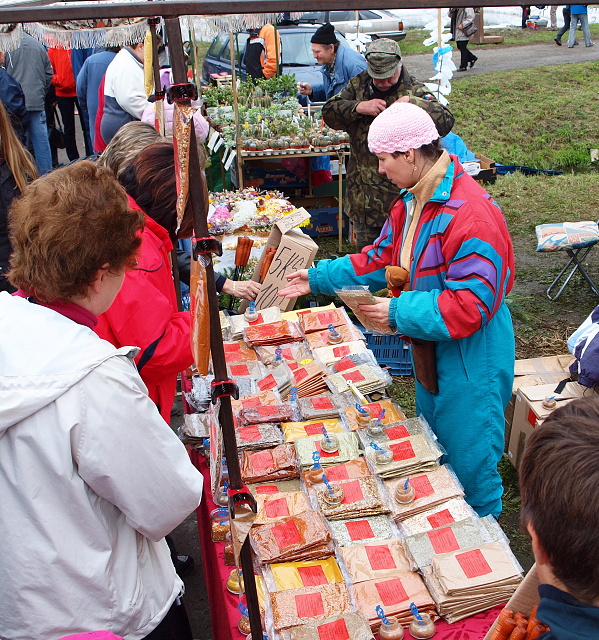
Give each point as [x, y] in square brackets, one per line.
[559, 483]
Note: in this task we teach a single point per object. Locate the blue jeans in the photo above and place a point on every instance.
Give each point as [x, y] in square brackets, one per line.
[584, 23]
[38, 136]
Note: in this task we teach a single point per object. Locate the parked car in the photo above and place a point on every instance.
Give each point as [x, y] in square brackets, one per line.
[296, 49]
[377, 24]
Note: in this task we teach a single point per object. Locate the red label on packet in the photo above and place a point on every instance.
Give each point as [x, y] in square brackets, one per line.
[266, 330]
[232, 348]
[359, 530]
[327, 317]
[265, 410]
[352, 492]
[391, 592]
[423, 486]
[374, 409]
[262, 461]
[267, 489]
[473, 563]
[312, 576]
[293, 365]
[402, 450]
[267, 383]
[325, 454]
[300, 374]
[286, 534]
[341, 351]
[276, 508]
[250, 434]
[443, 540]
[333, 630]
[337, 473]
[309, 605]
[314, 429]
[344, 364]
[397, 433]
[250, 403]
[287, 354]
[239, 370]
[353, 376]
[440, 519]
[380, 557]
[321, 403]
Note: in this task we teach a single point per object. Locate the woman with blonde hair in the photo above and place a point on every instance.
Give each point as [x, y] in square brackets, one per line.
[16, 170]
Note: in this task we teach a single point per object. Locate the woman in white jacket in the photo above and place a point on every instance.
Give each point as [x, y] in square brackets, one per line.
[462, 19]
[91, 477]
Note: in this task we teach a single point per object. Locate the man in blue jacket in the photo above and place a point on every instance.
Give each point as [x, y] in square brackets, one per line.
[339, 65]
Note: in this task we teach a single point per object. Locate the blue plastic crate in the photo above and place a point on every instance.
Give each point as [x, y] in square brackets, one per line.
[390, 351]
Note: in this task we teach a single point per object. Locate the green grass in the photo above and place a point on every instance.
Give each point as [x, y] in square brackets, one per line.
[412, 44]
[544, 117]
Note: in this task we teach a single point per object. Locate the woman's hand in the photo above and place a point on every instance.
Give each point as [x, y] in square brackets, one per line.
[246, 289]
[378, 312]
[298, 285]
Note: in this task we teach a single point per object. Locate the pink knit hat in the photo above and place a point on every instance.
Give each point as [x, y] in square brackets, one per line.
[400, 127]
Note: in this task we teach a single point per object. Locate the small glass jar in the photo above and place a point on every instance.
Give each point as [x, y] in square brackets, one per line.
[383, 455]
[315, 475]
[405, 495]
[391, 630]
[376, 429]
[329, 444]
[334, 337]
[363, 419]
[235, 582]
[219, 524]
[421, 629]
[549, 402]
[222, 497]
[250, 314]
[244, 625]
[333, 497]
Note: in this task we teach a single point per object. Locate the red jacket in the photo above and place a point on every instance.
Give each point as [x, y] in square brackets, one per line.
[144, 314]
[63, 78]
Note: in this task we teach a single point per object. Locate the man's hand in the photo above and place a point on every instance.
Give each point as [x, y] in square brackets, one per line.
[378, 312]
[298, 285]
[371, 107]
[305, 88]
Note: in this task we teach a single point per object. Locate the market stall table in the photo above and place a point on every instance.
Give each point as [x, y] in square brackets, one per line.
[223, 604]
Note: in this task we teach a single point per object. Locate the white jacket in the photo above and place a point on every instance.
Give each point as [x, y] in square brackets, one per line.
[91, 479]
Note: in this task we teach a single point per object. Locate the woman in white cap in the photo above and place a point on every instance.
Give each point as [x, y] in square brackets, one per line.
[446, 256]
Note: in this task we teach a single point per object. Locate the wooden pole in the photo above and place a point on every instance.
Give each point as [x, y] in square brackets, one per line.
[199, 203]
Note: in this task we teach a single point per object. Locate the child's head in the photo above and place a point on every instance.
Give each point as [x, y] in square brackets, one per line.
[559, 485]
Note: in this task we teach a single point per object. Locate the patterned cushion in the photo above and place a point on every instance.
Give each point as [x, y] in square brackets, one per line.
[566, 235]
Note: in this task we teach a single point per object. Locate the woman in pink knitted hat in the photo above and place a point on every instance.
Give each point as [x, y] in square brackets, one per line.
[446, 256]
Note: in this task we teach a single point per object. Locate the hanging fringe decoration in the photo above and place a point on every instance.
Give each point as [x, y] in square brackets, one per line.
[10, 37]
[206, 27]
[87, 34]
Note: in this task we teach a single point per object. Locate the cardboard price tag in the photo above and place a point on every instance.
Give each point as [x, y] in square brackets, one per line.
[312, 576]
[423, 486]
[309, 605]
[473, 563]
[239, 370]
[398, 432]
[250, 434]
[380, 557]
[359, 530]
[322, 403]
[267, 489]
[391, 592]
[276, 508]
[262, 461]
[286, 534]
[352, 492]
[440, 519]
[443, 540]
[402, 451]
[336, 630]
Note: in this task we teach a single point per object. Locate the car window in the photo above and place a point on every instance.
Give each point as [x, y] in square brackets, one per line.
[218, 44]
[369, 15]
[297, 50]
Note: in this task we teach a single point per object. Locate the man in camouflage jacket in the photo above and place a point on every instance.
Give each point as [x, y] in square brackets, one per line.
[369, 194]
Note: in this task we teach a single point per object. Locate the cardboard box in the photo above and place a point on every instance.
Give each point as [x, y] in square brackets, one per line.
[324, 215]
[529, 413]
[488, 170]
[524, 598]
[295, 250]
[534, 371]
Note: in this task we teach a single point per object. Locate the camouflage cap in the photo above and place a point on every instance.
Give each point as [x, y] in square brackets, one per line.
[383, 56]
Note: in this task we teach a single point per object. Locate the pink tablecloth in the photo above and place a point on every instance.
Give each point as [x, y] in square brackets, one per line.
[223, 604]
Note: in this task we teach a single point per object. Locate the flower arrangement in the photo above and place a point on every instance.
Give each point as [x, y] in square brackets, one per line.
[248, 210]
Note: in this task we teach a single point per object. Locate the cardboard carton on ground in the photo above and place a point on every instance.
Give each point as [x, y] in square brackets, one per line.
[295, 250]
[535, 371]
[524, 598]
[529, 413]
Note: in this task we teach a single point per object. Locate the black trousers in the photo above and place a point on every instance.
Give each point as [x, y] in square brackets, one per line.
[174, 626]
[465, 53]
[67, 108]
